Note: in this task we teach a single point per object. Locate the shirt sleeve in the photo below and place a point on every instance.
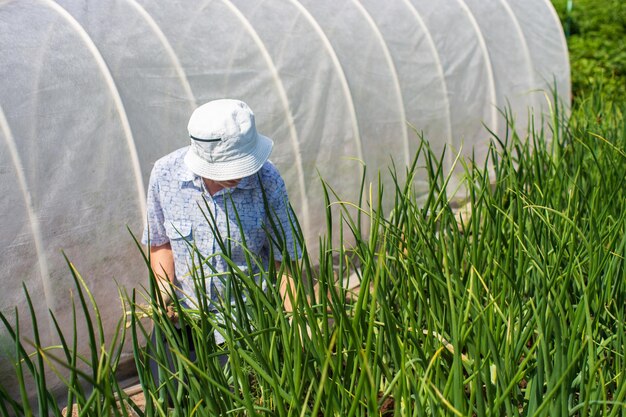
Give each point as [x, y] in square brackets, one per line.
[284, 228]
[154, 233]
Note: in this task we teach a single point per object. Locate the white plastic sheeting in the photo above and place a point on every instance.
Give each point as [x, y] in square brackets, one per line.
[93, 92]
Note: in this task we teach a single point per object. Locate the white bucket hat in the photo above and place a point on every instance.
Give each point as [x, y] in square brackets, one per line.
[224, 142]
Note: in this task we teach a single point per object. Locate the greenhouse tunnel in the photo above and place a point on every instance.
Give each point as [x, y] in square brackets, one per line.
[93, 92]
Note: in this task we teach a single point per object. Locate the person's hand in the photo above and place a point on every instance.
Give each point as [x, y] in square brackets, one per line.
[165, 289]
[288, 292]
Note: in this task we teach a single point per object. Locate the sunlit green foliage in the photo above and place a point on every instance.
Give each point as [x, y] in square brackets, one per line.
[597, 45]
[518, 308]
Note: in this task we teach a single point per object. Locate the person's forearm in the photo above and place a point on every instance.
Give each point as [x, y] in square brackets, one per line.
[162, 261]
[162, 264]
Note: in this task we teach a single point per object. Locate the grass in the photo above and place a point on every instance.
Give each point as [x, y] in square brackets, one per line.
[517, 310]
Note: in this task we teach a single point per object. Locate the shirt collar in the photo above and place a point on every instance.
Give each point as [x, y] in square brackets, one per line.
[188, 178]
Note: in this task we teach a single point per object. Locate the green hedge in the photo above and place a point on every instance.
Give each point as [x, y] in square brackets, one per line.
[596, 31]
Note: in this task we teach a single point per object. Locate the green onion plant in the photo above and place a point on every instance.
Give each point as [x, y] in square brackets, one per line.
[514, 306]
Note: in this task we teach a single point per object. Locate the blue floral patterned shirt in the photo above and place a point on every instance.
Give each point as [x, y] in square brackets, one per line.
[178, 208]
